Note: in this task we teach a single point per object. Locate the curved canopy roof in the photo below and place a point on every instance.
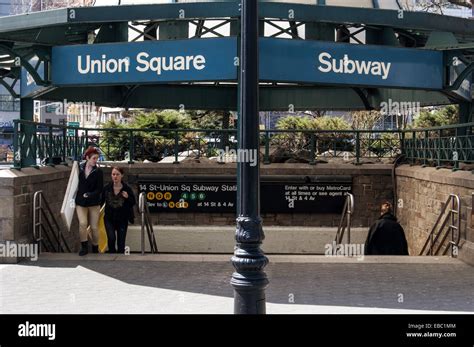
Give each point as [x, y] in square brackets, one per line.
[34, 34]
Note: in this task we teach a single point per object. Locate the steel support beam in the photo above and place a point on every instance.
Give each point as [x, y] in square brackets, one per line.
[27, 139]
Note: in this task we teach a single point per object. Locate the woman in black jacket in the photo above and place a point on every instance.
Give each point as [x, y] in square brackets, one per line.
[88, 197]
[119, 201]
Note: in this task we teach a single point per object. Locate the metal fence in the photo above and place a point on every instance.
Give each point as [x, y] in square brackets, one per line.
[48, 144]
[448, 145]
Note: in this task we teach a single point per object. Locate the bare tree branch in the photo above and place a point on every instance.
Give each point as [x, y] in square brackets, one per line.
[463, 3]
[436, 6]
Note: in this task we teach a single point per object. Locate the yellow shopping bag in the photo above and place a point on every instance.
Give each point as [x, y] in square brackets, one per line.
[102, 232]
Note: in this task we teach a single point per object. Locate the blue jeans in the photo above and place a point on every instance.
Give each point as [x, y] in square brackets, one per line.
[116, 232]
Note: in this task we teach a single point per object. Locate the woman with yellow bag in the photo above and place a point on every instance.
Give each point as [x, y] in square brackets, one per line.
[119, 201]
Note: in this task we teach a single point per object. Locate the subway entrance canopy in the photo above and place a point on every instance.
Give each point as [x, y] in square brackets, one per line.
[177, 55]
[187, 54]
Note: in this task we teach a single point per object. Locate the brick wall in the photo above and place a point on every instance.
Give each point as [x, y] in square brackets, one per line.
[424, 192]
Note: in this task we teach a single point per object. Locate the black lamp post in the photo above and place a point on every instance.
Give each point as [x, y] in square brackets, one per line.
[249, 280]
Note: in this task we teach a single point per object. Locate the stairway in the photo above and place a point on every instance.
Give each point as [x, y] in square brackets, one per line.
[220, 239]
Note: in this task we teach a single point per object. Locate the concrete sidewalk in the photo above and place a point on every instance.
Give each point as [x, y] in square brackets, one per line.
[173, 283]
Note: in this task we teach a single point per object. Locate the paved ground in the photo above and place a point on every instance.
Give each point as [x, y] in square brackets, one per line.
[200, 284]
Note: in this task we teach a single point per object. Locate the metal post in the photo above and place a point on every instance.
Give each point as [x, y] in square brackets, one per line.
[131, 153]
[64, 147]
[176, 146]
[34, 220]
[27, 133]
[16, 145]
[34, 147]
[357, 147]
[40, 220]
[141, 204]
[453, 208]
[249, 280]
[50, 147]
[349, 213]
[266, 158]
[438, 150]
[455, 149]
[425, 148]
[86, 140]
[402, 143]
[76, 145]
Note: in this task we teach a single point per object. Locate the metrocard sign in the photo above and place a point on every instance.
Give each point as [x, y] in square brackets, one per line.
[215, 59]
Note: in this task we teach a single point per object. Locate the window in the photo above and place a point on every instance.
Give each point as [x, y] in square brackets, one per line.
[8, 103]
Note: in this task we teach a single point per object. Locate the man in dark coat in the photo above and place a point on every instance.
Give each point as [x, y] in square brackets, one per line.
[386, 235]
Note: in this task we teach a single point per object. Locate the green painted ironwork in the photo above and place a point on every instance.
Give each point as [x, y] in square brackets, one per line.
[36, 33]
[440, 146]
[48, 144]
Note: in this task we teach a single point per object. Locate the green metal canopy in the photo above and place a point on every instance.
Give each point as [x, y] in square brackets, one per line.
[27, 36]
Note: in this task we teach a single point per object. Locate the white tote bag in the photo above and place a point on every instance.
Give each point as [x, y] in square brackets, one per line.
[69, 205]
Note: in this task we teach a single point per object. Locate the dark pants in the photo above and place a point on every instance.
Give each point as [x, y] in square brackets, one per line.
[114, 228]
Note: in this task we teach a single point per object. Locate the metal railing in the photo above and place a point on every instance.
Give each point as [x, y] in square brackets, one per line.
[50, 144]
[437, 237]
[46, 229]
[346, 220]
[448, 145]
[146, 225]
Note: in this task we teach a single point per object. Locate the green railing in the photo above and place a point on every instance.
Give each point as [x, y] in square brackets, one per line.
[47, 144]
[445, 146]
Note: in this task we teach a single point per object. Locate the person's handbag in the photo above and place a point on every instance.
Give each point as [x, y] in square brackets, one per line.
[103, 241]
[131, 215]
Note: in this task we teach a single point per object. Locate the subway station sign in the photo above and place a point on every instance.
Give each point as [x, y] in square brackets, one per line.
[349, 64]
[215, 59]
[216, 197]
[145, 62]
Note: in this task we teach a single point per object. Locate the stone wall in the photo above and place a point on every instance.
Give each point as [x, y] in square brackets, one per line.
[424, 192]
[17, 189]
[371, 185]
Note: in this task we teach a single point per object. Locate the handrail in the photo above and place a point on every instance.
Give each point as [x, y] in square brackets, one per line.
[44, 220]
[68, 127]
[443, 127]
[346, 219]
[146, 224]
[37, 237]
[454, 216]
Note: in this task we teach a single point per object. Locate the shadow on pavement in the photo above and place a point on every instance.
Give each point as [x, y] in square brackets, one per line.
[395, 286]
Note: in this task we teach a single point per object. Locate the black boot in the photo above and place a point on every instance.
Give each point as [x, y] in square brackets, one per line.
[84, 248]
[95, 249]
